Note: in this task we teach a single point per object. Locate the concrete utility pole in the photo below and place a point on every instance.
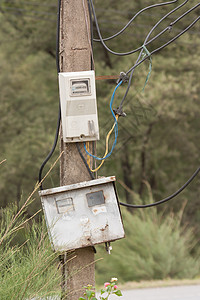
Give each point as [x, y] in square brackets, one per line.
[75, 55]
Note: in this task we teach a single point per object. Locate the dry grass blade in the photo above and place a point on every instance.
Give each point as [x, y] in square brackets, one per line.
[2, 161]
[23, 223]
[29, 198]
[127, 188]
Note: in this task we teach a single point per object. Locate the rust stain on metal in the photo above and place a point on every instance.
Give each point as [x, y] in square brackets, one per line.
[76, 186]
[103, 229]
[105, 196]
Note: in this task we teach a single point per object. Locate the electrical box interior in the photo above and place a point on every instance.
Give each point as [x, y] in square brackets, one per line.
[78, 106]
[82, 214]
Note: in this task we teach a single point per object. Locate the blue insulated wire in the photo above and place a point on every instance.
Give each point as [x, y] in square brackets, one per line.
[116, 128]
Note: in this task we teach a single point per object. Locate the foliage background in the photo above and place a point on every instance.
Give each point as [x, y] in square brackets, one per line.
[158, 140]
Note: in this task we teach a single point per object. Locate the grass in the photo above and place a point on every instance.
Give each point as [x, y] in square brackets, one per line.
[31, 269]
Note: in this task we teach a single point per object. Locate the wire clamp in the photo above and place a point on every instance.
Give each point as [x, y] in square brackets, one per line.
[170, 27]
[122, 77]
[119, 112]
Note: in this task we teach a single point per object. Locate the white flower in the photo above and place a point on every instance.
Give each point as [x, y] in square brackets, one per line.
[113, 279]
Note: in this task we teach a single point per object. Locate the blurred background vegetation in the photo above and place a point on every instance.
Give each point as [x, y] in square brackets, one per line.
[158, 141]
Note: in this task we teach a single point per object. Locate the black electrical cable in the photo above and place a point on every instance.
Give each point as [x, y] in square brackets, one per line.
[91, 32]
[59, 112]
[146, 42]
[52, 150]
[84, 160]
[168, 27]
[133, 18]
[139, 48]
[138, 62]
[119, 110]
[166, 199]
[151, 204]
[165, 45]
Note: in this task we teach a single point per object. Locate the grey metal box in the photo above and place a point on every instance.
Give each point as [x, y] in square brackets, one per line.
[82, 214]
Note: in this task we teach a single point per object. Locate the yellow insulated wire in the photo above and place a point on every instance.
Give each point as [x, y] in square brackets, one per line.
[107, 145]
[88, 156]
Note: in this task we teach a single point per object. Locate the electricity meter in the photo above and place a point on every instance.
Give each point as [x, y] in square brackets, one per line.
[78, 106]
[82, 214]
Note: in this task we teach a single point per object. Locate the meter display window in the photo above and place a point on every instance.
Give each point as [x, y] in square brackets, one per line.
[65, 205]
[80, 87]
[95, 198]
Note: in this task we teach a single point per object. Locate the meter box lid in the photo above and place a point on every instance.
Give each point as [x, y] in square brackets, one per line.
[82, 214]
[78, 106]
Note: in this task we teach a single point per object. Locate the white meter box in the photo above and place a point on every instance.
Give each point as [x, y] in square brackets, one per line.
[78, 106]
[82, 214]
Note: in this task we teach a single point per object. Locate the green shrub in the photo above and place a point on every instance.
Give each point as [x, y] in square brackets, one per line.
[155, 247]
